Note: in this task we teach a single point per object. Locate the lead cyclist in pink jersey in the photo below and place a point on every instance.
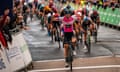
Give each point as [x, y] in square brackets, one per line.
[67, 25]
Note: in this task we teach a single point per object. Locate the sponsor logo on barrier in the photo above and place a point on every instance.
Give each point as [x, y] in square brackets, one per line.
[105, 13]
[119, 24]
[112, 20]
[109, 14]
[118, 15]
[2, 64]
[113, 15]
[24, 48]
[13, 52]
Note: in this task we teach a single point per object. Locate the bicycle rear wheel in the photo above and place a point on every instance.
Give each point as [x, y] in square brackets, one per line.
[59, 44]
[52, 36]
[95, 36]
[70, 56]
[58, 35]
[71, 68]
[89, 44]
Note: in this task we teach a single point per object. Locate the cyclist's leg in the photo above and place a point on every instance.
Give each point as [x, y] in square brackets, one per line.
[49, 27]
[92, 27]
[58, 27]
[74, 39]
[98, 23]
[84, 36]
[42, 22]
[45, 20]
[54, 27]
[77, 31]
[53, 30]
[65, 45]
[67, 38]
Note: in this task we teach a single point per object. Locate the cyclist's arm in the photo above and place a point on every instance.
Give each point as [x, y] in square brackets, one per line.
[91, 21]
[98, 18]
[60, 18]
[75, 17]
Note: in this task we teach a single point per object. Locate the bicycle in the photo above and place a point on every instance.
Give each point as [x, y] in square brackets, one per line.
[95, 31]
[57, 35]
[70, 55]
[88, 41]
[78, 35]
[31, 15]
[42, 23]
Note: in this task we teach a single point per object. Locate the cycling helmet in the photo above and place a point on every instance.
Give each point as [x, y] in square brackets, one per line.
[85, 19]
[51, 4]
[67, 11]
[42, 5]
[85, 11]
[95, 12]
[68, 7]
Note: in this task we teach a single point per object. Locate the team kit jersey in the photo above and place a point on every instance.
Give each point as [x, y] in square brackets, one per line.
[68, 23]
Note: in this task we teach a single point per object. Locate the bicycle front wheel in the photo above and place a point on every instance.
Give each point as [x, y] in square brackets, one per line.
[89, 44]
[70, 56]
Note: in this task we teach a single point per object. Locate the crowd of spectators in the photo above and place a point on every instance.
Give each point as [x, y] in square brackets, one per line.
[103, 3]
[106, 4]
[20, 13]
[14, 23]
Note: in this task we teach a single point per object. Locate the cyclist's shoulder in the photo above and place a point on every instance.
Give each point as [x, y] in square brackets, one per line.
[95, 12]
[86, 18]
[46, 7]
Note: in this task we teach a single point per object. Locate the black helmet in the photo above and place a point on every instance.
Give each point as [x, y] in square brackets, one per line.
[67, 11]
[68, 7]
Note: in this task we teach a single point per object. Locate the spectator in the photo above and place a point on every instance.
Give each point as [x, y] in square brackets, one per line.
[3, 28]
[12, 24]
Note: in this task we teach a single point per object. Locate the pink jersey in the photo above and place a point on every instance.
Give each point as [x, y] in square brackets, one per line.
[68, 23]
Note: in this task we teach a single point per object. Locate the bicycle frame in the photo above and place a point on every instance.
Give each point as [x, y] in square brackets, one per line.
[58, 35]
[55, 33]
[95, 31]
[70, 54]
[88, 40]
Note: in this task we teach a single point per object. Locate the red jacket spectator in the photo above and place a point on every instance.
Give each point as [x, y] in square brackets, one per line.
[2, 38]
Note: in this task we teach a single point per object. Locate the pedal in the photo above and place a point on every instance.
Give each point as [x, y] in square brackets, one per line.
[79, 37]
[92, 39]
[85, 49]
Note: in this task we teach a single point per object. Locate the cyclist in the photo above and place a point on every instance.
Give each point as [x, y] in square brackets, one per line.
[68, 7]
[41, 14]
[67, 26]
[41, 7]
[41, 10]
[49, 25]
[95, 17]
[87, 23]
[55, 23]
[47, 10]
[77, 24]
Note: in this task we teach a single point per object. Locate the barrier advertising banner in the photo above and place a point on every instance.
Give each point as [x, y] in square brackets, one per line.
[4, 62]
[24, 49]
[18, 54]
[15, 55]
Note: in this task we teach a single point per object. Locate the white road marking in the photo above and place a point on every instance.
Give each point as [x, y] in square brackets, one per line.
[50, 60]
[117, 55]
[77, 58]
[77, 68]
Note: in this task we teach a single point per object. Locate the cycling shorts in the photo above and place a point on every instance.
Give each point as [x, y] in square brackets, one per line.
[94, 18]
[68, 36]
[49, 19]
[85, 25]
[56, 24]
